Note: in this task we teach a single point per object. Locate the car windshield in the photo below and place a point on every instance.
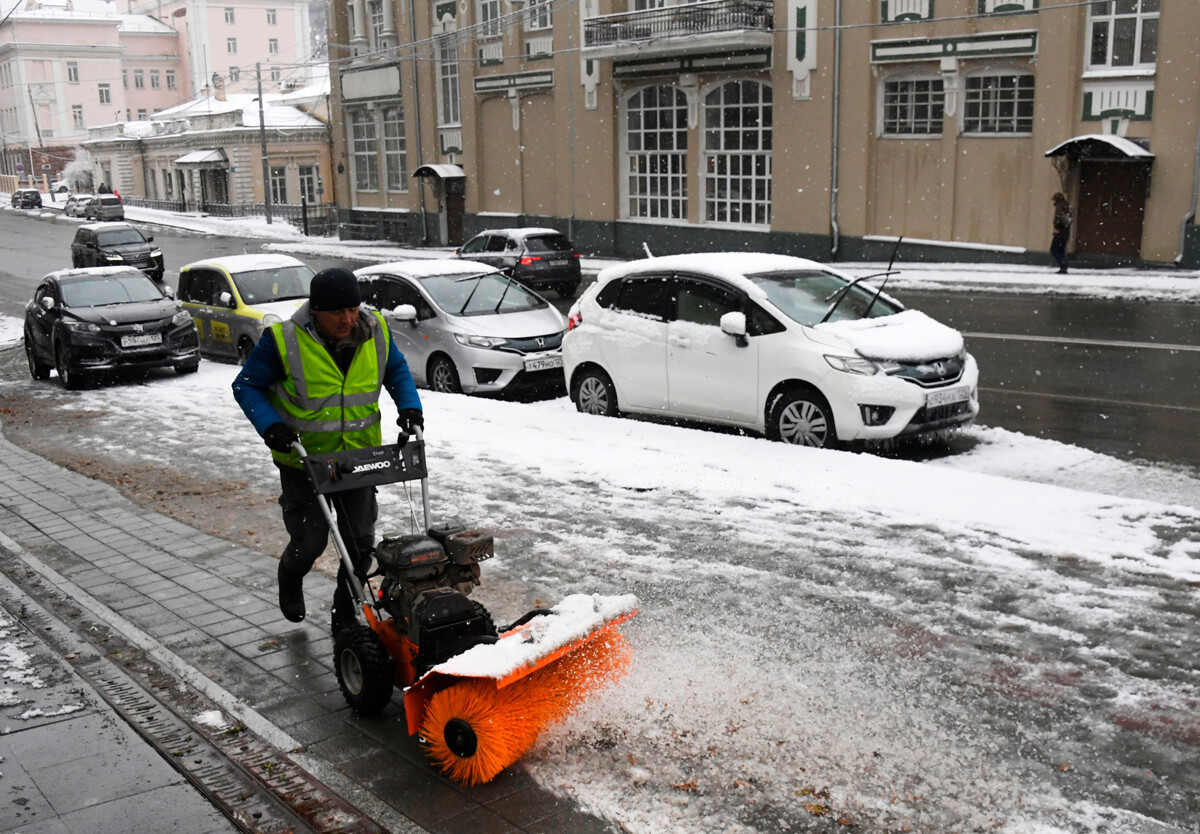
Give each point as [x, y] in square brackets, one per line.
[126, 288]
[480, 295]
[805, 296]
[261, 286]
[118, 237]
[548, 243]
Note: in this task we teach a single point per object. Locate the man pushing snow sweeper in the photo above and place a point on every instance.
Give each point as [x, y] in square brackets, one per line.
[478, 695]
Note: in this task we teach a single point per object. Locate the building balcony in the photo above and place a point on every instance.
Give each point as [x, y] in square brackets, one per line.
[688, 29]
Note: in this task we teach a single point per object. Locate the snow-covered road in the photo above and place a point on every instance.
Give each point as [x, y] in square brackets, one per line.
[999, 640]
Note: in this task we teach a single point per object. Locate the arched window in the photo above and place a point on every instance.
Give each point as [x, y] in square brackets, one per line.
[737, 153]
[656, 152]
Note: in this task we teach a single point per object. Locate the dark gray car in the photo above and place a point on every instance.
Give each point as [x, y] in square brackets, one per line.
[116, 244]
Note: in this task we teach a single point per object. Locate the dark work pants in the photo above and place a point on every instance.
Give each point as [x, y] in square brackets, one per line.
[1058, 248]
[356, 511]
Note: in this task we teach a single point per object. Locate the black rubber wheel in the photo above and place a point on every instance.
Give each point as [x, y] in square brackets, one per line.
[37, 368]
[443, 376]
[802, 418]
[364, 669]
[568, 289]
[593, 393]
[245, 346]
[72, 379]
[188, 368]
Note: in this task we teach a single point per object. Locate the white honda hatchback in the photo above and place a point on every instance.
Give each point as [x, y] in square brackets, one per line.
[782, 346]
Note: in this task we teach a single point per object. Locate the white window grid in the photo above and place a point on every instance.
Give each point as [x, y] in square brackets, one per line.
[539, 16]
[395, 149]
[449, 114]
[375, 13]
[77, 115]
[737, 153]
[235, 74]
[168, 184]
[272, 18]
[155, 79]
[488, 17]
[276, 73]
[125, 79]
[171, 80]
[139, 79]
[913, 107]
[105, 93]
[273, 46]
[231, 46]
[656, 139]
[141, 114]
[1122, 33]
[998, 103]
[230, 18]
[365, 149]
[72, 72]
[309, 179]
[278, 184]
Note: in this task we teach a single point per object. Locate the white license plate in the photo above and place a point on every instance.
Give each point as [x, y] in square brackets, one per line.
[542, 363]
[143, 339]
[945, 396]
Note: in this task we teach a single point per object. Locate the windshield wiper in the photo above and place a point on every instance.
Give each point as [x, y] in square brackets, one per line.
[508, 283]
[846, 289]
[478, 279]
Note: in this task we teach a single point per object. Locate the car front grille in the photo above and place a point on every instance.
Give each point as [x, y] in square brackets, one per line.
[534, 344]
[933, 374]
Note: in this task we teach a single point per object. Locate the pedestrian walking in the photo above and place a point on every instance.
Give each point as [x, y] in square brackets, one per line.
[316, 378]
[1062, 231]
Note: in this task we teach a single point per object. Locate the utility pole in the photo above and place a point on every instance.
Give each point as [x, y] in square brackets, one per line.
[262, 138]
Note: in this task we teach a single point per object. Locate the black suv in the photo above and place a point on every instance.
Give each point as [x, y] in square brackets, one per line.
[27, 198]
[116, 244]
[540, 259]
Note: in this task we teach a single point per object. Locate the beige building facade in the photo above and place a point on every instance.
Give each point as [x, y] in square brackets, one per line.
[823, 128]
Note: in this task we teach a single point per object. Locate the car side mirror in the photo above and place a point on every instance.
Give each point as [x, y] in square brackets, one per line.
[149, 238]
[734, 324]
[47, 303]
[405, 312]
[168, 291]
[226, 299]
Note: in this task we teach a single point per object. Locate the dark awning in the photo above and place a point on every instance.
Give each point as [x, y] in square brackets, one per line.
[1101, 146]
[442, 171]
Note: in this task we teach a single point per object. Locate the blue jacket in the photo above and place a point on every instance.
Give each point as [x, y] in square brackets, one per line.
[263, 369]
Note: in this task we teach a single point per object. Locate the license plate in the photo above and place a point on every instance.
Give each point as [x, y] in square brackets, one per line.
[558, 262]
[542, 363]
[142, 339]
[945, 396]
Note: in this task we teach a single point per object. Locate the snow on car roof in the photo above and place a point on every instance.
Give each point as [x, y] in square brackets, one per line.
[426, 268]
[521, 234]
[730, 266]
[85, 272]
[248, 263]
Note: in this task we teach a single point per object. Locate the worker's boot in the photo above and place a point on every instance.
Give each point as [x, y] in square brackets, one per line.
[291, 595]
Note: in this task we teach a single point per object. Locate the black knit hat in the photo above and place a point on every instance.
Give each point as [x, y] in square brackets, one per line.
[333, 289]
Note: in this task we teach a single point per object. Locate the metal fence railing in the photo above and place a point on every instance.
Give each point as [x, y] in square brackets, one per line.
[677, 21]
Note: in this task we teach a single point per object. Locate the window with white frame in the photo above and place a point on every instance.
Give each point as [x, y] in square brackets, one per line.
[998, 103]
[77, 115]
[364, 150]
[278, 184]
[447, 75]
[271, 17]
[487, 14]
[737, 153]
[539, 15]
[273, 46]
[351, 21]
[395, 151]
[139, 79]
[105, 93]
[276, 74]
[309, 183]
[141, 114]
[172, 83]
[656, 139]
[155, 79]
[229, 16]
[72, 72]
[1123, 33]
[913, 107]
[235, 74]
[375, 14]
[125, 79]
[168, 184]
[231, 46]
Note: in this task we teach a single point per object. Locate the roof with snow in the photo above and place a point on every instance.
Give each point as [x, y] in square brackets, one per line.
[1099, 144]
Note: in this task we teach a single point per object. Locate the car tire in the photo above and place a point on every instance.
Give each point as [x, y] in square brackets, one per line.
[443, 376]
[568, 289]
[593, 392]
[187, 367]
[365, 671]
[244, 349]
[72, 379]
[802, 417]
[37, 368]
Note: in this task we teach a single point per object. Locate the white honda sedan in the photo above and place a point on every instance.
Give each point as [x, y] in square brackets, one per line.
[465, 327]
[781, 346]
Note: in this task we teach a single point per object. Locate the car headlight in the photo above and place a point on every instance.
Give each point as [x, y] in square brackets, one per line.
[268, 320]
[81, 326]
[157, 253]
[861, 366]
[182, 317]
[114, 257]
[485, 342]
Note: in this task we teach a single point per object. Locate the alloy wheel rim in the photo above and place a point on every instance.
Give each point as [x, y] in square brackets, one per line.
[803, 424]
[352, 673]
[593, 396]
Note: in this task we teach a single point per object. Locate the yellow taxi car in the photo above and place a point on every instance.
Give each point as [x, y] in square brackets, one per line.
[233, 298]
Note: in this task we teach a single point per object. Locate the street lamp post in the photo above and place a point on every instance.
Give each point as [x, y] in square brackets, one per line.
[262, 138]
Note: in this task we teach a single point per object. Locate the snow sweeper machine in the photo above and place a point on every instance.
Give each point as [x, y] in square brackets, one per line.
[477, 695]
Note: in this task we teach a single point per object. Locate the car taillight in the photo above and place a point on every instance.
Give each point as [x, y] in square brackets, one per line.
[576, 255]
[528, 259]
[574, 319]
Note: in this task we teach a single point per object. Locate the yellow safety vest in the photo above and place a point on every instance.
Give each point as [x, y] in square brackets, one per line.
[331, 411]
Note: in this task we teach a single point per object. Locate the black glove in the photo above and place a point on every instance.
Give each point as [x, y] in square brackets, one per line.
[410, 420]
[279, 437]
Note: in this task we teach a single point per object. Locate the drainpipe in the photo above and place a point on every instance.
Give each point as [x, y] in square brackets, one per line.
[837, 98]
[412, 35]
[1191, 213]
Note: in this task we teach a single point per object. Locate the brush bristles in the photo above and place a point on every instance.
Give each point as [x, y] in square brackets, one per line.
[507, 721]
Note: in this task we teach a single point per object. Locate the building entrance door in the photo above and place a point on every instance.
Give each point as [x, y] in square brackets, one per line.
[1112, 207]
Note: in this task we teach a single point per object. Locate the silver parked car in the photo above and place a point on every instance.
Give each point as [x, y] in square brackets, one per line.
[76, 205]
[464, 326]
